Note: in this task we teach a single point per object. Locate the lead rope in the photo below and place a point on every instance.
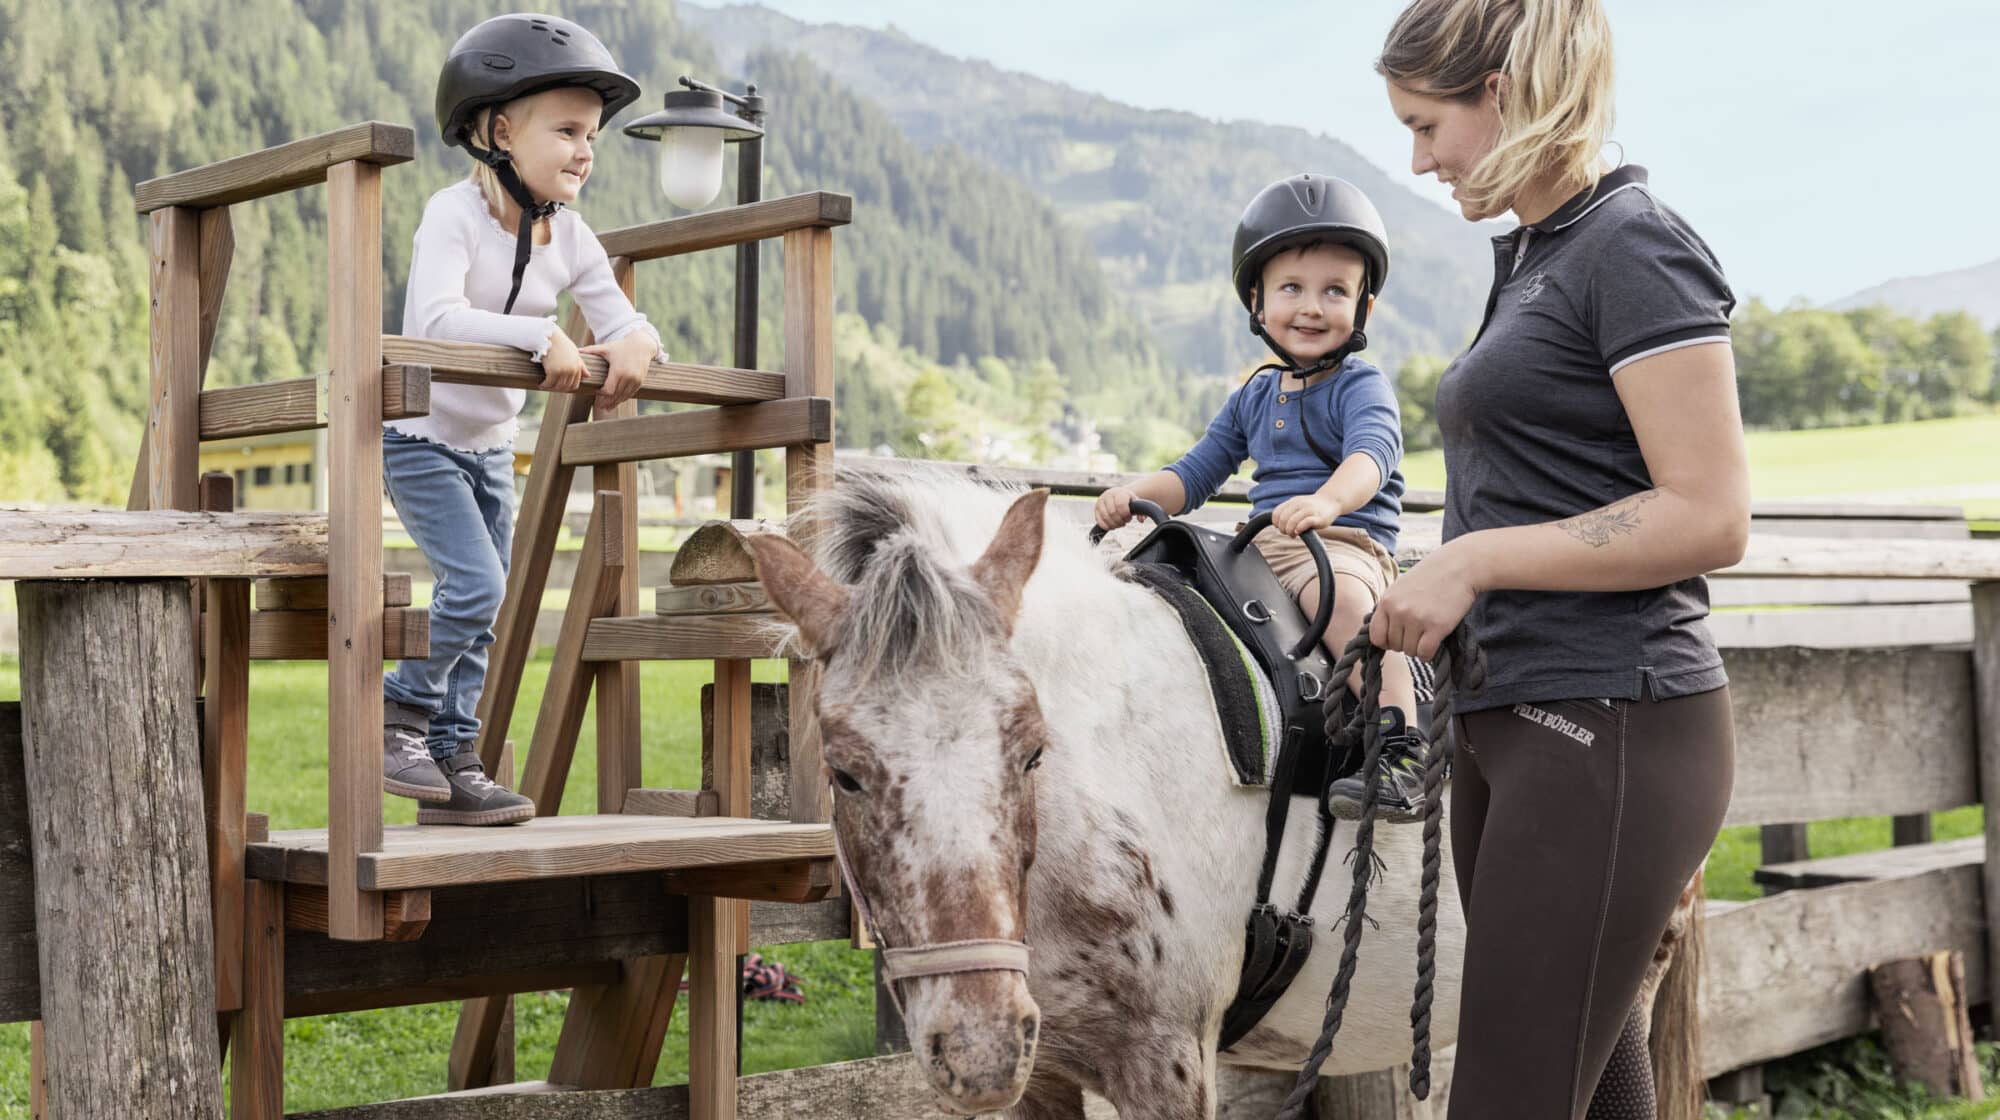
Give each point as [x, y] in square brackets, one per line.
[1458, 654]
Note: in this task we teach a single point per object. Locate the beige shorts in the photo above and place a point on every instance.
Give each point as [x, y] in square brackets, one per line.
[1349, 551]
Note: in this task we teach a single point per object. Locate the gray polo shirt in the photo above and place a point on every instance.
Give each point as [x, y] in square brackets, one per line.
[1534, 432]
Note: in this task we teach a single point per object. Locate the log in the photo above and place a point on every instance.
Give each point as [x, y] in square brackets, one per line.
[1921, 1003]
[113, 766]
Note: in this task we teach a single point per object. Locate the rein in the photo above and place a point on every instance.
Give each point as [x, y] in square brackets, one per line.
[1457, 657]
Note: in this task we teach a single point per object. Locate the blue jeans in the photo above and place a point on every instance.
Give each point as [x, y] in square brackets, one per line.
[459, 507]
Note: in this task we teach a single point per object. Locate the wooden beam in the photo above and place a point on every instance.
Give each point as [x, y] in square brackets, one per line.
[793, 881]
[218, 249]
[302, 635]
[728, 750]
[713, 979]
[743, 427]
[405, 914]
[299, 405]
[620, 762]
[808, 469]
[257, 1067]
[70, 544]
[612, 1032]
[680, 638]
[286, 167]
[1986, 748]
[354, 581]
[1889, 863]
[673, 803]
[225, 755]
[310, 594]
[731, 225]
[489, 984]
[474, 363]
[1782, 844]
[567, 692]
[173, 422]
[717, 553]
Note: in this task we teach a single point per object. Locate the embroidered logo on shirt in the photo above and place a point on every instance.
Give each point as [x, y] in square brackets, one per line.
[1536, 283]
[1556, 723]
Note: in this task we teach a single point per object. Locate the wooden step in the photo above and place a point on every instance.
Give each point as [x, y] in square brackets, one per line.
[415, 856]
[1889, 863]
[682, 637]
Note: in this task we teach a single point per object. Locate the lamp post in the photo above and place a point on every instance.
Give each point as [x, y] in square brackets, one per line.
[691, 128]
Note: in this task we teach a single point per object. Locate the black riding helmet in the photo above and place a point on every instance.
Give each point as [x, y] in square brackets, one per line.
[514, 56]
[1296, 211]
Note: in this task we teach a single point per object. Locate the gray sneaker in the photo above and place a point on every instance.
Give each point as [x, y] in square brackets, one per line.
[407, 767]
[475, 798]
[1399, 792]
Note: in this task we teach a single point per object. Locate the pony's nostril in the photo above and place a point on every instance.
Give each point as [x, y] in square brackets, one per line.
[1030, 1025]
[937, 1047]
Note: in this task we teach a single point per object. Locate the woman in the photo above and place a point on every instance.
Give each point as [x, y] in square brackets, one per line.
[1596, 469]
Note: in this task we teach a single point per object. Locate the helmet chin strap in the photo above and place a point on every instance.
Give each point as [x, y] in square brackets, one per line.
[532, 211]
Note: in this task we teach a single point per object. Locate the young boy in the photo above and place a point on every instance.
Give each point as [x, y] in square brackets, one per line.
[1310, 256]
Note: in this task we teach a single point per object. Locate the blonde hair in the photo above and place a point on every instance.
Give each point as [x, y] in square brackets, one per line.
[1554, 57]
[518, 113]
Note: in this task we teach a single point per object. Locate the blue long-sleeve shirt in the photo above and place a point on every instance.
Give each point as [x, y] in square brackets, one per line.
[1354, 410]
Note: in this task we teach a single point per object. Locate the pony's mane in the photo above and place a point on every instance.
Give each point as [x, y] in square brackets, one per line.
[903, 539]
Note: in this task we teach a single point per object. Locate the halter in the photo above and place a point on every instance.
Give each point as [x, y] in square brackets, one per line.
[943, 958]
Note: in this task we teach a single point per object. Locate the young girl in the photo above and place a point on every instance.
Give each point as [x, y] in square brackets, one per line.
[525, 96]
[1596, 466]
[1310, 256]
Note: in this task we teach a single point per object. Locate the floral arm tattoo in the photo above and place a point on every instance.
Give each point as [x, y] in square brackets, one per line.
[1599, 526]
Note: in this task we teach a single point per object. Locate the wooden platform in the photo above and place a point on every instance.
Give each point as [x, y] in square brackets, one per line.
[416, 856]
[1862, 867]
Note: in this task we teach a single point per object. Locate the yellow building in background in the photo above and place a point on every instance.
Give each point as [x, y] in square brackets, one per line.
[274, 472]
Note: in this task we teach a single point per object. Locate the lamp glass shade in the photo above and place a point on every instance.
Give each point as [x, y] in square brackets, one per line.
[691, 166]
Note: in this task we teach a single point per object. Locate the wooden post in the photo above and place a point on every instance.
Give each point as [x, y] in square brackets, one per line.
[225, 731]
[1382, 1095]
[218, 247]
[257, 1071]
[38, 1085]
[729, 744]
[482, 1049]
[1921, 1003]
[1911, 830]
[1783, 843]
[173, 425]
[808, 467]
[713, 983]
[1986, 688]
[354, 545]
[112, 761]
[618, 757]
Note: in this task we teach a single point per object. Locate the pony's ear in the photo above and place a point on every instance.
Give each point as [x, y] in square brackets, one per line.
[1004, 568]
[806, 595]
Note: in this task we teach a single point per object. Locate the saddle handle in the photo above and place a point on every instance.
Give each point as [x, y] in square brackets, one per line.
[1321, 617]
[1150, 510]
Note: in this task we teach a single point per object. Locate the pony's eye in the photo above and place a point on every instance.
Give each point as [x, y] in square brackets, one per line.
[1034, 760]
[845, 780]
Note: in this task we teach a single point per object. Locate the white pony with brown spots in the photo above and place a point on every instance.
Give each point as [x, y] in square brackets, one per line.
[1025, 754]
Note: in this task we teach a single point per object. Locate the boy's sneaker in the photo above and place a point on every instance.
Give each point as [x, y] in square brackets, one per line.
[475, 798]
[1399, 789]
[407, 767]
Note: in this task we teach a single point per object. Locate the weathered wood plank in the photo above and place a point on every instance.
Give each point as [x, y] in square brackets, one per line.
[797, 881]
[785, 923]
[1788, 973]
[299, 405]
[732, 225]
[613, 1030]
[1729, 591]
[620, 760]
[1859, 627]
[354, 580]
[1780, 557]
[120, 861]
[257, 1066]
[310, 594]
[173, 442]
[673, 803]
[68, 544]
[666, 435]
[1843, 733]
[720, 598]
[302, 635]
[218, 248]
[415, 856]
[225, 754]
[1890, 863]
[405, 914]
[475, 363]
[567, 692]
[681, 638]
[1986, 749]
[716, 554]
[282, 168]
[770, 749]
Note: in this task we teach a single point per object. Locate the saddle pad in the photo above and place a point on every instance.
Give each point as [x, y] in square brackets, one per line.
[1245, 703]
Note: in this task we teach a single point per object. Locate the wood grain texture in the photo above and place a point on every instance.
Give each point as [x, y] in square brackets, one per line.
[302, 635]
[225, 754]
[285, 167]
[310, 594]
[68, 544]
[720, 598]
[717, 553]
[681, 638]
[257, 1066]
[474, 363]
[731, 225]
[298, 405]
[1986, 748]
[667, 435]
[173, 441]
[119, 861]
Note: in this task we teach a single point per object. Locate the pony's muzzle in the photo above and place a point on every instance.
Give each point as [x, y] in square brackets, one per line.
[979, 1060]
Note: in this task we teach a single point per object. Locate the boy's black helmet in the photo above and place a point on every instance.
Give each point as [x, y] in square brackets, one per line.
[1304, 208]
[515, 55]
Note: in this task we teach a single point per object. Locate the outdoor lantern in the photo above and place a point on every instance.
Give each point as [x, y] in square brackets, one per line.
[691, 129]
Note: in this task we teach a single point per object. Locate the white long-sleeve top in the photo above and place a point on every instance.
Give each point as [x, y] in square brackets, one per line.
[460, 272]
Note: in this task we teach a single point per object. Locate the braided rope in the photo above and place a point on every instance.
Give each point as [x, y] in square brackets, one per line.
[1458, 654]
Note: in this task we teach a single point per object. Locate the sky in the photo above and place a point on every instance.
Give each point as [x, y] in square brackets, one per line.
[1819, 146]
